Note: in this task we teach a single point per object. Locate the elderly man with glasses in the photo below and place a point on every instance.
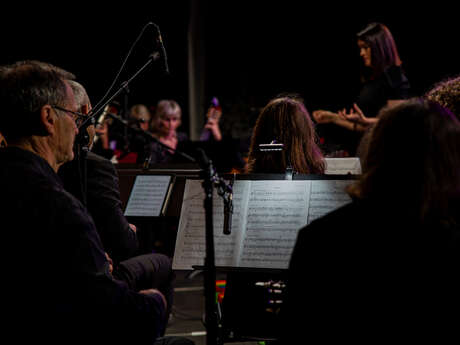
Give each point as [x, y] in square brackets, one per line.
[57, 285]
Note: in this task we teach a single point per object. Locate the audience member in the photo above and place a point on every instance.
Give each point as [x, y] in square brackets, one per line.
[384, 83]
[285, 120]
[69, 294]
[384, 267]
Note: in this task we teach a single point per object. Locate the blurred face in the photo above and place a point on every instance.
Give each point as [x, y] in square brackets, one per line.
[365, 53]
[169, 124]
[145, 124]
[85, 109]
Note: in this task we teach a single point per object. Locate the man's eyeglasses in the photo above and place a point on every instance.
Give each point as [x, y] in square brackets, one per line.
[78, 117]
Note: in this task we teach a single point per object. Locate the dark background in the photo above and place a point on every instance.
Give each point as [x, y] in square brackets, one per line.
[252, 51]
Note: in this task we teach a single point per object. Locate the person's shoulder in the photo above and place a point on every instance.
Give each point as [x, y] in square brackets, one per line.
[96, 157]
[396, 77]
[350, 221]
[99, 161]
[331, 222]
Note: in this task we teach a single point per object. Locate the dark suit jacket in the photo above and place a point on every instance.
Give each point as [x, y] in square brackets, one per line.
[103, 203]
[56, 287]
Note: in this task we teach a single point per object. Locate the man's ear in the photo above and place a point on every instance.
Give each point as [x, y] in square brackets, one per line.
[48, 120]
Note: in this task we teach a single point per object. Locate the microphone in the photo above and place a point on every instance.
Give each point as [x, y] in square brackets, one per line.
[101, 120]
[162, 52]
[228, 211]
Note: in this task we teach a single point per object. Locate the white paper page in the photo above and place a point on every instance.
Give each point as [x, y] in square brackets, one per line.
[276, 212]
[326, 196]
[343, 166]
[190, 247]
[147, 195]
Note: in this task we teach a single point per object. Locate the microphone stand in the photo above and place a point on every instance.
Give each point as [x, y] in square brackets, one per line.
[81, 148]
[81, 145]
[210, 178]
[150, 136]
[94, 112]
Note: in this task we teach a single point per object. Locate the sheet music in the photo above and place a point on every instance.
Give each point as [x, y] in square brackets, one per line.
[148, 195]
[276, 211]
[266, 219]
[343, 166]
[190, 242]
[326, 196]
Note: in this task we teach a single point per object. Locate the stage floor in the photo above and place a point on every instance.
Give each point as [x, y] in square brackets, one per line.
[188, 309]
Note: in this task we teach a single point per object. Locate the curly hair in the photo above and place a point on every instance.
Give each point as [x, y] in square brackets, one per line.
[447, 94]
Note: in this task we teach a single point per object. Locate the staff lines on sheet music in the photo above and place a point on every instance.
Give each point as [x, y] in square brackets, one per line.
[288, 196]
[326, 207]
[277, 200]
[334, 191]
[329, 199]
[268, 215]
[141, 204]
[278, 254]
[267, 226]
[277, 208]
[199, 240]
[277, 240]
[255, 246]
[253, 259]
[193, 250]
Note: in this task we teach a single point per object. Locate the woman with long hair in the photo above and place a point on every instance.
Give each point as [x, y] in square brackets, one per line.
[383, 83]
[285, 120]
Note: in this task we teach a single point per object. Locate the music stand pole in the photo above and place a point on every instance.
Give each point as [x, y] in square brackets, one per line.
[213, 336]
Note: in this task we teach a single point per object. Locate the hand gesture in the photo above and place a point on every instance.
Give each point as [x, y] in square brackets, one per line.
[356, 115]
[213, 126]
[324, 116]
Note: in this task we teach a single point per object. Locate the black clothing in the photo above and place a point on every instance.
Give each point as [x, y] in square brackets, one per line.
[58, 287]
[374, 95]
[157, 154]
[391, 85]
[225, 154]
[140, 272]
[367, 272]
[103, 203]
